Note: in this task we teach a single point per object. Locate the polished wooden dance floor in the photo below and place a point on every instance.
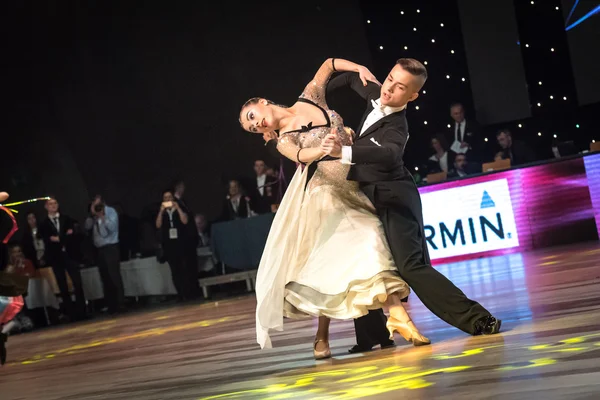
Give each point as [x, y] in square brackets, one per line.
[550, 347]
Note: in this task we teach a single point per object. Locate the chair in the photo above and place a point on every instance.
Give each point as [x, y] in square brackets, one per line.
[437, 177]
[496, 166]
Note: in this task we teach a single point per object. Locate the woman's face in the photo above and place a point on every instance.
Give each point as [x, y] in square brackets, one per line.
[167, 196]
[258, 117]
[436, 145]
[32, 221]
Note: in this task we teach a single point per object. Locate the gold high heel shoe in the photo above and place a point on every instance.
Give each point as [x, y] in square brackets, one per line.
[407, 330]
[321, 355]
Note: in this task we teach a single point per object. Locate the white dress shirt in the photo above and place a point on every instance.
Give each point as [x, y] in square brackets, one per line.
[459, 130]
[379, 112]
[443, 161]
[260, 182]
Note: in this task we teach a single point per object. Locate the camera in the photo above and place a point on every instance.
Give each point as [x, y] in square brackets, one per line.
[99, 207]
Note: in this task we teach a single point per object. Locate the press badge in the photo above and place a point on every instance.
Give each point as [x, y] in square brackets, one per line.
[173, 233]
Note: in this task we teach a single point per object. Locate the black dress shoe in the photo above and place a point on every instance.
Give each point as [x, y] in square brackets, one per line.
[2, 348]
[487, 326]
[360, 349]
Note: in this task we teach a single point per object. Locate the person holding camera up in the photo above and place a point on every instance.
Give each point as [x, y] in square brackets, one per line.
[103, 223]
[172, 222]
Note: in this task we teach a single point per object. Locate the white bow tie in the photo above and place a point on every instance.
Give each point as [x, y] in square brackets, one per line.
[377, 106]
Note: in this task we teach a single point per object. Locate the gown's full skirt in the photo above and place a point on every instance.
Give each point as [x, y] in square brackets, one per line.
[326, 255]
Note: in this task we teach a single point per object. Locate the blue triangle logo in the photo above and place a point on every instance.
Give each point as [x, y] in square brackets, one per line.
[486, 200]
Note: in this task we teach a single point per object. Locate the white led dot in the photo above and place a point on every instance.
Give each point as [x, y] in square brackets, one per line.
[405, 47]
[532, 2]
[557, 8]
[564, 98]
[432, 40]
[551, 97]
[555, 136]
[540, 83]
[486, 139]
[526, 45]
[424, 91]
[402, 12]
[449, 126]
[539, 133]
[425, 122]
[415, 29]
[417, 107]
[416, 168]
[463, 79]
[520, 125]
[451, 51]
[593, 141]
[368, 21]
[442, 25]
[552, 49]
[539, 104]
[418, 10]
[425, 63]
[447, 76]
[380, 47]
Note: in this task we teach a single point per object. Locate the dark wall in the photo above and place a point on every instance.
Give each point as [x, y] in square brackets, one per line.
[138, 93]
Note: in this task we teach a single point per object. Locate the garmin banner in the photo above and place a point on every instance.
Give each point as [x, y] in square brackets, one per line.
[469, 219]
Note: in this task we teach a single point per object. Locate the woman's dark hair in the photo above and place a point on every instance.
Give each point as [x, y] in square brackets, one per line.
[255, 100]
[441, 138]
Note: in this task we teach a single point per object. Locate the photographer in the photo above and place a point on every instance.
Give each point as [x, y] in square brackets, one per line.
[104, 224]
[172, 222]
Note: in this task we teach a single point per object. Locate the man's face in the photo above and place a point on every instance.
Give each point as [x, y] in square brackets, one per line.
[259, 167]
[399, 88]
[180, 189]
[16, 254]
[457, 113]
[234, 188]
[52, 206]
[460, 162]
[504, 140]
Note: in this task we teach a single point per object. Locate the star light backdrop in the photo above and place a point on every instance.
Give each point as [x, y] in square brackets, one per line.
[432, 33]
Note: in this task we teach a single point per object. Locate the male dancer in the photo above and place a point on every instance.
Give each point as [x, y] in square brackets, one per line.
[376, 159]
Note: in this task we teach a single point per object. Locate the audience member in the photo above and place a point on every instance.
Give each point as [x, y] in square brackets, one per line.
[465, 135]
[462, 167]
[190, 240]
[103, 224]
[263, 189]
[31, 243]
[57, 231]
[236, 205]
[172, 222]
[515, 150]
[442, 159]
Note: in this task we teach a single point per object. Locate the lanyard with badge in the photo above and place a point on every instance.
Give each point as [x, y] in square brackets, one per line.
[172, 230]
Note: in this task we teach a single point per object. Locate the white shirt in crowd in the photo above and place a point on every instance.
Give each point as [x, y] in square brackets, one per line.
[443, 161]
[378, 113]
[459, 130]
[260, 182]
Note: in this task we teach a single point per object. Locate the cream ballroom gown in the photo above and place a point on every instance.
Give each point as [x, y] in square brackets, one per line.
[326, 253]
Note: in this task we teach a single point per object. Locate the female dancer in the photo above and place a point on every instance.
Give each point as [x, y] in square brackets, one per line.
[326, 254]
[12, 286]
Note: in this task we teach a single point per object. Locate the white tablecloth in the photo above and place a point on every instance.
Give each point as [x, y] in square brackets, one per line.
[40, 294]
[141, 277]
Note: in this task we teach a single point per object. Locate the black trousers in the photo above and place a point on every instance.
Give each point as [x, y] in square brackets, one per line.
[399, 208]
[191, 269]
[62, 265]
[109, 265]
[184, 268]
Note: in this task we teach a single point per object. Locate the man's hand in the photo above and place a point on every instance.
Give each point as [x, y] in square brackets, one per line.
[268, 136]
[331, 146]
[464, 144]
[54, 239]
[70, 232]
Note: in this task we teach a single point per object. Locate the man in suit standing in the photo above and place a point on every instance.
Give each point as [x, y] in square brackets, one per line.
[264, 189]
[57, 231]
[377, 164]
[465, 133]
